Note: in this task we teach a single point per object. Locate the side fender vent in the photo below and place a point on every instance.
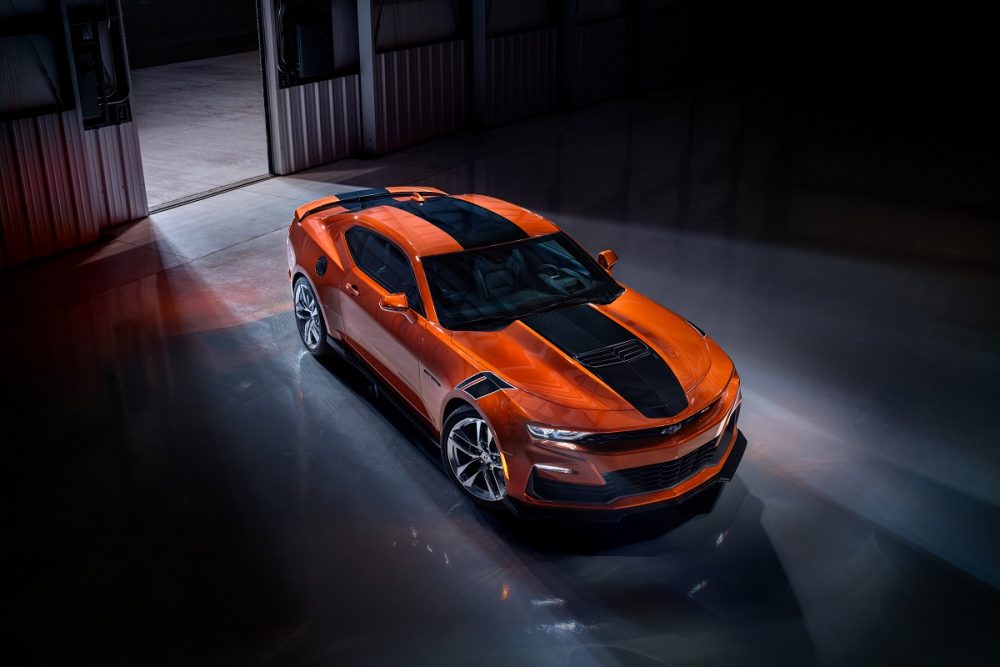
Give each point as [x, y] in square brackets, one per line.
[482, 384]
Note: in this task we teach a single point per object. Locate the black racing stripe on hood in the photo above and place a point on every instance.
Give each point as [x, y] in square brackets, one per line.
[470, 225]
[646, 382]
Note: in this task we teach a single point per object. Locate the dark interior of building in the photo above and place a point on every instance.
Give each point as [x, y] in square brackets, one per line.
[817, 187]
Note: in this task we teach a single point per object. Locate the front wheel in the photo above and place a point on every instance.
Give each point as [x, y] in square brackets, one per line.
[471, 457]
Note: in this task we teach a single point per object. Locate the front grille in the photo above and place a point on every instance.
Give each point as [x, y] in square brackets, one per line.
[656, 433]
[630, 482]
[619, 353]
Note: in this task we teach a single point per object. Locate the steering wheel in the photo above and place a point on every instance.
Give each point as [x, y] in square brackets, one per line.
[586, 281]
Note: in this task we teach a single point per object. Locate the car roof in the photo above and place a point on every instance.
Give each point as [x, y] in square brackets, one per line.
[431, 221]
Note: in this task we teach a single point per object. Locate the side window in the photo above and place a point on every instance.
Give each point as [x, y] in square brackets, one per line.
[399, 276]
[366, 249]
[384, 263]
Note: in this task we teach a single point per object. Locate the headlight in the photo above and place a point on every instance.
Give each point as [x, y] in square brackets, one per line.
[552, 433]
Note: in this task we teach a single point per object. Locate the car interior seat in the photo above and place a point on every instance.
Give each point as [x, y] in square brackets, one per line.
[499, 279]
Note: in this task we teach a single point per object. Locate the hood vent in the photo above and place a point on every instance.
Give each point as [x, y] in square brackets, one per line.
[619, 353]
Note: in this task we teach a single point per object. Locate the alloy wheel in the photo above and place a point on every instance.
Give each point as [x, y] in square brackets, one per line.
[474, 459]
[307, 312]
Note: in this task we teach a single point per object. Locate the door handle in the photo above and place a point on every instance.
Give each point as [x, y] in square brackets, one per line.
[351, 289]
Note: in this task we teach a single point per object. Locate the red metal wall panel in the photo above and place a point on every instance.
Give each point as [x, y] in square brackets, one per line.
[60, 185]
[420, 93]
[314, 123]
[521, 75]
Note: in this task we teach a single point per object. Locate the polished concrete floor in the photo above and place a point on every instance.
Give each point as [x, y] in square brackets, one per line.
[186, 486]
[201, 125]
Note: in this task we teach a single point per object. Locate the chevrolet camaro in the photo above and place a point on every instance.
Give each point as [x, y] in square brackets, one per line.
[548, 385]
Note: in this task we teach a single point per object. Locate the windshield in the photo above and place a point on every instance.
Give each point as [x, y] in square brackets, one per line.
[490, 287]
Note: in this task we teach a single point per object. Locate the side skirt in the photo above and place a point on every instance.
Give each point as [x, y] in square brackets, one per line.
[384, 388]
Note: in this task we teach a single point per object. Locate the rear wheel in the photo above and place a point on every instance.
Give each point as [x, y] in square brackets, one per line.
[309, 319]
[471, 457]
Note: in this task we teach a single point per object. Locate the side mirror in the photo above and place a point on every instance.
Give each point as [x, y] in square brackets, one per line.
[607, 259]
[394, 303]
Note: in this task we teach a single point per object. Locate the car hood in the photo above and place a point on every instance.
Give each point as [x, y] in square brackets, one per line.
[536, 355]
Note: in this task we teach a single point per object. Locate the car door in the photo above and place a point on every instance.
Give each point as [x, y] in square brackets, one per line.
[388, 341]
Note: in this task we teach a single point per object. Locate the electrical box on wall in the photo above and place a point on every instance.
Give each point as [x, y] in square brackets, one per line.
[317, 40]
[99, 56]
[35, 76]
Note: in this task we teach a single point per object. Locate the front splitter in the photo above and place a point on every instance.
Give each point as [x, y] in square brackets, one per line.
[588, 514]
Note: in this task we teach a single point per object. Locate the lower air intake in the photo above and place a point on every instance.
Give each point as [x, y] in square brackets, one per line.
[630, 482]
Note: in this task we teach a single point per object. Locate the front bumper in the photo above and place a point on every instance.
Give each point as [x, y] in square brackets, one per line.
[688, 499]
[613, 477]
[635, 481]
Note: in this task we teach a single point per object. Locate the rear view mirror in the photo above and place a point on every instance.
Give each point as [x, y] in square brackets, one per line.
[394, 303]
[607, 259]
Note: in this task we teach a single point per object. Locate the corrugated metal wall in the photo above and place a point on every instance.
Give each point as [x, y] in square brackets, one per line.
[521, 75]
[60, 185]
[420, 93]
[308, 124]
[314, 123]
[115, 165]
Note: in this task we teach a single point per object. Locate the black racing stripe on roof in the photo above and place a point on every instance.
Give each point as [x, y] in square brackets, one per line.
[646, 382]
[471, 226]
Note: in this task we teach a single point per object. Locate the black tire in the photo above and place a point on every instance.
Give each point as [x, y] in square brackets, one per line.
[312, 329]
[475, 494]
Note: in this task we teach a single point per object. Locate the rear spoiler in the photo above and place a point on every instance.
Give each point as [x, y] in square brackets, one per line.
[361, 196]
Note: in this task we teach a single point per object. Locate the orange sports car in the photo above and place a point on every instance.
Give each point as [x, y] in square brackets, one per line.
[547, 384]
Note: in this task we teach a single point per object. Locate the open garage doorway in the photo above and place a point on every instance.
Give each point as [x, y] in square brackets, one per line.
[197, 95]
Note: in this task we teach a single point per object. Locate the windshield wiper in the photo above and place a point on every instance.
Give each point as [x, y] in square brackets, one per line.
[485, 320]
[544, 309]
[555, 306]
[510, 318]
